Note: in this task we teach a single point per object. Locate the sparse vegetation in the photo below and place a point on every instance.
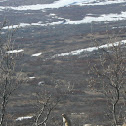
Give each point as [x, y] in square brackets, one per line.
[109, 79]
[37, 90]
[9, 77]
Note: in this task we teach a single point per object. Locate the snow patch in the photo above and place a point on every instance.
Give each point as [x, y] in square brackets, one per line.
[64, 3]
[100, 2]
[51, 14]
[15, 51]
[88, 19]
[121, 27]
[16, 26]
[3, 1]
[22, 25]
[89, 49]
[22, 118]
[103, 17]
[36, 54]
[32, 77]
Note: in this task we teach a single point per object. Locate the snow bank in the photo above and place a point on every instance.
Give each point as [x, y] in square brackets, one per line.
[88, 19]
[22, 118]
[103, 17]
[89, 49]
[16, 26]
[63, 3]
[22, 25]
[36, 54]
[32, 77]
[15, 51]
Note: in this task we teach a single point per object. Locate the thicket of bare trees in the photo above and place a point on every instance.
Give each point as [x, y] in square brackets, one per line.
[9, 78]
[108, 77]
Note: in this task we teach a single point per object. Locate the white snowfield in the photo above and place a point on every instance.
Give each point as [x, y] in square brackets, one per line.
[36, 54]
[15, 51]
[64, 3]
[88, 19]
[22, 118]
[89, 49]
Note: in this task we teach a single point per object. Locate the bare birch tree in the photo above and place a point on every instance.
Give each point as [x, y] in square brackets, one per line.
[9, 80]
[109, 78]
[45, 109]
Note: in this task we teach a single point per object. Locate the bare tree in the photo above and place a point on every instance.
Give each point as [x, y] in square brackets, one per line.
[109, 78]
[9, 80]
[45, 108]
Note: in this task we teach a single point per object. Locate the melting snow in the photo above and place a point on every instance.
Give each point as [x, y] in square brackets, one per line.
[15, 51]
[22, 118]
[103, 17]
[16, 26]
[63, 3]
[119, 27]
[87, 19]
[90, 49]
[32, 77]
[32, 24]
[36, 54]
[51, 14]
[101, 2]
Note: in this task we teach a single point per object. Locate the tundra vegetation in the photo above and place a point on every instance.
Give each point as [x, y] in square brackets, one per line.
[107, 76]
